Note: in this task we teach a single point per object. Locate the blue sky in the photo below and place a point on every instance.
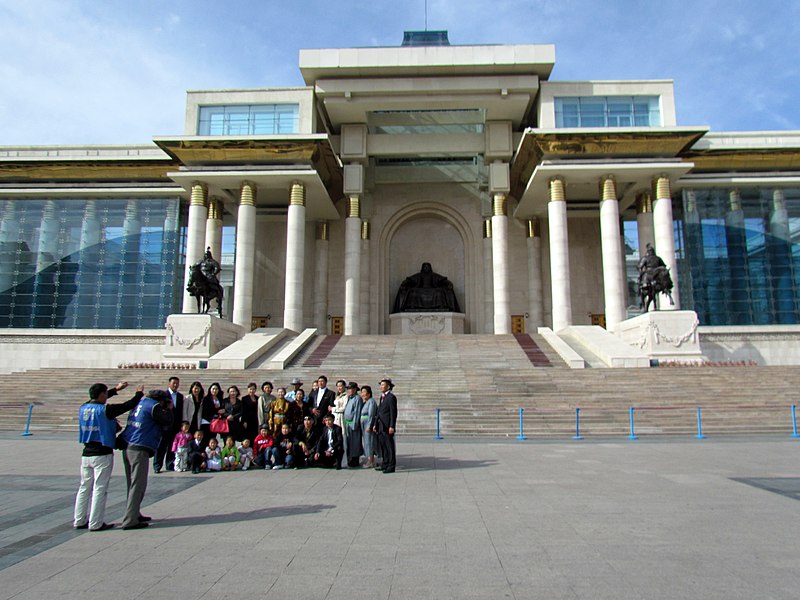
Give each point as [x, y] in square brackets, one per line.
[114, 71]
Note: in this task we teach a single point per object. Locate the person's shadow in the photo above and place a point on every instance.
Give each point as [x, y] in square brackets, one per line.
[261, 513]
[416, 462]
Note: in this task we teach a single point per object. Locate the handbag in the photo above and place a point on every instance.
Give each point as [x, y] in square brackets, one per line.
[219, 425]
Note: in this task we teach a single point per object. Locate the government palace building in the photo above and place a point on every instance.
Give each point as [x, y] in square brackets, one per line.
[536, 199]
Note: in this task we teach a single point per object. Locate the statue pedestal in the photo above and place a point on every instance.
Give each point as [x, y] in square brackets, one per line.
[668, 335]
[197, 337]
[426, 323]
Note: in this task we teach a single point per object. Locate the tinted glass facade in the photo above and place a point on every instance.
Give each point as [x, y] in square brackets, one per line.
[740, 255]
[249, 119]
[608, 111]
[90, 263]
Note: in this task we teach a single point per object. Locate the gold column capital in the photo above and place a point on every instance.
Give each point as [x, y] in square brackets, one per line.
[487, 229]
[247, 194]
[365, 230]
[499, 203]
[661, 187]
[557, 189]
[353, 207]
[532, 228]
[322, 231]
[297, 195]
[608, 188]
[735, 198]
[215, 208]
[198, 194]
[644, 203]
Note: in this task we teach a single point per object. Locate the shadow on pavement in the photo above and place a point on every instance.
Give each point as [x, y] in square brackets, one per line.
[261, 513]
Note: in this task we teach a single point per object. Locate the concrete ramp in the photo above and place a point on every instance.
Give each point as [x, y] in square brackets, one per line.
[601, 348]
[250, 348]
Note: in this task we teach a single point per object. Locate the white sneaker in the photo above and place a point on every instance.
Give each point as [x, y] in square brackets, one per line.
[276, 467]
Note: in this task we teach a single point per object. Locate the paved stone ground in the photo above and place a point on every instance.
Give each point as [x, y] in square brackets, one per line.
[665, 518]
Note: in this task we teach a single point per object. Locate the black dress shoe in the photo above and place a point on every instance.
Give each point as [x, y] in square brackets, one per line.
[84, 526]
[139, 525]
[104, 527]
[143, 518]
[388, 470]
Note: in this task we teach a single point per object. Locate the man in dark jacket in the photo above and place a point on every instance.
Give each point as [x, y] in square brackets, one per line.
[143, 432]
[330, 446]
[386, 422]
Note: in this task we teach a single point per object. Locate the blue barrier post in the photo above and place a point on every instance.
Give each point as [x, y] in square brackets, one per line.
[699, 435]
[794, 422]
[27, 431]
[577, 424]
[521, 435]
[632, 436]
[438, 430]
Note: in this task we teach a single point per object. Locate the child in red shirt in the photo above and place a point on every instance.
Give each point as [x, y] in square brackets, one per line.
[262, 447]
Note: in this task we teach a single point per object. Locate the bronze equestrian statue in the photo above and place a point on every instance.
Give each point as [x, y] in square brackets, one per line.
[204, 283]
[654, 279]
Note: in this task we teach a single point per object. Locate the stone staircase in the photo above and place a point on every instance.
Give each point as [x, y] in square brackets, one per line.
[479, 382]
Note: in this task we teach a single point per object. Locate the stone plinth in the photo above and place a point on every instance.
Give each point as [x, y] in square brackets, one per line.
[426, 323]
[664, 335]
[197, 337]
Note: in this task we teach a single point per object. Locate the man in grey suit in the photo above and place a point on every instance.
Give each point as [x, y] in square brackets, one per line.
[386, 422]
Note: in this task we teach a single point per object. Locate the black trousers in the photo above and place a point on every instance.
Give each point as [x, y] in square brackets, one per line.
[386, 442]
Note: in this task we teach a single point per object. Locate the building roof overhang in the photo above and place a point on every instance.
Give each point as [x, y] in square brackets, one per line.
[299, 154]
[591, 148]
[427, 61]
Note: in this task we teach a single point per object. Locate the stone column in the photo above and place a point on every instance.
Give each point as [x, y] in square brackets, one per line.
[195, 239]
[502, 313]
[352, 267]
[244, 263]
[9, 234]
[365, 295]
[47, 250]
[738, 301]
[644, 222]
[780, 260]
[488, 278]
[295, 258]
[612, 258]
[535, 303]
[664, 233]
[321, 278]
[214, 228]
[694, 256]
[559, 255]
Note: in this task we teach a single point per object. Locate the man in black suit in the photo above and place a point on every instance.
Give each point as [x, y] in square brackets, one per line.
[386, 422]
[168, 434]
[330, 446]
[322, 401]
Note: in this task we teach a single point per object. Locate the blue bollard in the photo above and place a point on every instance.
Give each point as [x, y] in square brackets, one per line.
[438, 430]
[577, 435]
[27, 431]
[794, 422]
[632, 436]
[699, 435]
[521, 436]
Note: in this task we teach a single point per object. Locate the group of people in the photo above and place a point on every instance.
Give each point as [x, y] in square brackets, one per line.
[215, 432]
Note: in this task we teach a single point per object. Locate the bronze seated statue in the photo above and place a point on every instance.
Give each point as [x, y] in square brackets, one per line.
[426, 291]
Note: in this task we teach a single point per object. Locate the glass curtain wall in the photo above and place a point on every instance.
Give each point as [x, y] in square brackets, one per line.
[741, 255]
[90, 263]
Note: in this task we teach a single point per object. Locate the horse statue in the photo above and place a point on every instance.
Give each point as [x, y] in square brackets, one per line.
[654, 279]
[204, 285]
[661, 283]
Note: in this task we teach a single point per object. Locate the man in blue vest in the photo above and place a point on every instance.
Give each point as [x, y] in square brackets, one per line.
[143, 432]
[97, 423]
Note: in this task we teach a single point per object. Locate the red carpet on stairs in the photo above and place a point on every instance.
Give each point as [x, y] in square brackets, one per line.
[532, 350]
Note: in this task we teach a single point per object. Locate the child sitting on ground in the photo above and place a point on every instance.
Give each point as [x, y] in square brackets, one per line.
[245, 454]
[262, 448]
[230, 455]
[180, 447]
[282, 455]
[213, 456]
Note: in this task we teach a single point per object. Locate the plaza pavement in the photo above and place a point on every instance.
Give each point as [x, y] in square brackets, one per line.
[613, 518]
